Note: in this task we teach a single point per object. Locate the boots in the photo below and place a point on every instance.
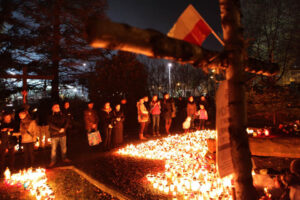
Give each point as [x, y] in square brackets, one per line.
[142, 137]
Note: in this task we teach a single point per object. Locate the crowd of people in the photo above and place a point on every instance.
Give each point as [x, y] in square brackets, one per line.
[26, 128]
[109, 122]
[167, 110]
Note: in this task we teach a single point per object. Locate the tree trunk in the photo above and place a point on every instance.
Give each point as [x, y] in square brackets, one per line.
[235, 48]
[55, 53]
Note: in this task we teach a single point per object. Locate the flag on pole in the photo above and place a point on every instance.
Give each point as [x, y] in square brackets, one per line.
[190, 27]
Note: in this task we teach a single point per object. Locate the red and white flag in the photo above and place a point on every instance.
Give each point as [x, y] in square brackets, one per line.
[190, 27]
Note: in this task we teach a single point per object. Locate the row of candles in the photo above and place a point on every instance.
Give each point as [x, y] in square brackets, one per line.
[39, 143]
[258, 132]
[187, 175]
[34, 181]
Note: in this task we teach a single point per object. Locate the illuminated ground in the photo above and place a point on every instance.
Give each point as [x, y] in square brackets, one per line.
[187, 173]
[165, 168]
[64, 183]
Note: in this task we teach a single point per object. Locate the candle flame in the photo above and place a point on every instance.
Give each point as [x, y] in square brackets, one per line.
[35, 181]
[188, 173]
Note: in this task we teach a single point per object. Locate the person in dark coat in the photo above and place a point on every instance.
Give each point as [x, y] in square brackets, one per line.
[57, 127]
[68, 114]
[191, 109]
[91, 118]
[106, 125]
[117, 132]
[167, 112]
[8, 141]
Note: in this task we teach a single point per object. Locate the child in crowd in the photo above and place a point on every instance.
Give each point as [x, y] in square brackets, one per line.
[202, 116]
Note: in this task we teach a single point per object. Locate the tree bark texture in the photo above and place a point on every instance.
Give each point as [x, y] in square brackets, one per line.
[236, 54]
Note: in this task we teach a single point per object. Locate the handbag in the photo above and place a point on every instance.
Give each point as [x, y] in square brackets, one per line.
[94, 138]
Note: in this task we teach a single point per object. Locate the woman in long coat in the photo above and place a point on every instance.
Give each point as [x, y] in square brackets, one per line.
[106, 125]
[117, 132]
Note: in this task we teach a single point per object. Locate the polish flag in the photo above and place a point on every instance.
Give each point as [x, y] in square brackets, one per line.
[190, 27]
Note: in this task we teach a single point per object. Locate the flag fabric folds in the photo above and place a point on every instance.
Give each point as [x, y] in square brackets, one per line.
[190, 27]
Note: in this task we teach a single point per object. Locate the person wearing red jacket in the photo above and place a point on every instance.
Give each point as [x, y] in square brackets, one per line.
[155, 110]
[202, 116]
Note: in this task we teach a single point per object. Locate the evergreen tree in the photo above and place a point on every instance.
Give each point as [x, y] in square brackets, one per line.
[48, 36]
[121, 75]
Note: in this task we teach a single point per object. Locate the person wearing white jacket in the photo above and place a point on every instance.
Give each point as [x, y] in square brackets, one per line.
[143, 117]
[28, 130]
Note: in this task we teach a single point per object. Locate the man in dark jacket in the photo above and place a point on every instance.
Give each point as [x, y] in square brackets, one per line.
[168, 110]
[57, 127]
[67, 112]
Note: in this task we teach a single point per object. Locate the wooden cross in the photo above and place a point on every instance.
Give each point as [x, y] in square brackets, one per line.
[116, 36]
[24, 76]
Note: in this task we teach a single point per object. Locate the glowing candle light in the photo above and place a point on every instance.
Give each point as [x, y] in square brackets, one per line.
[35, 181]
[187, 172]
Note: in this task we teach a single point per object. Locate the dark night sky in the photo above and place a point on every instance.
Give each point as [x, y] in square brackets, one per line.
[162, 14]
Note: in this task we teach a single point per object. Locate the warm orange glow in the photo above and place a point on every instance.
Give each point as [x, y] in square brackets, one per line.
[267, 132]
[122, 46]
[35, 181]
[187, 174]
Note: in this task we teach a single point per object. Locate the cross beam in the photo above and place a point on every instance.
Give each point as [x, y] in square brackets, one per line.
[24, 78]
[110, 35]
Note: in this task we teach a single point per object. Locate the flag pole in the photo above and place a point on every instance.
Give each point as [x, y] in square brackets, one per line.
[213, 32]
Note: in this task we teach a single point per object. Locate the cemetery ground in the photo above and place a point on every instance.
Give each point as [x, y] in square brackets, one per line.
[95, 174]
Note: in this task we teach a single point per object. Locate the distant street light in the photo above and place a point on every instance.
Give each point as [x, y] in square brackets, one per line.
[170, 65]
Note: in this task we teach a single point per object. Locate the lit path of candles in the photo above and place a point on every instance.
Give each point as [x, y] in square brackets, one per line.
[187, 175]
[35, 181]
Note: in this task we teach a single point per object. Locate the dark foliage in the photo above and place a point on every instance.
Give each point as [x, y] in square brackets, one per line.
[117, 76]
